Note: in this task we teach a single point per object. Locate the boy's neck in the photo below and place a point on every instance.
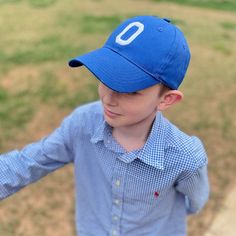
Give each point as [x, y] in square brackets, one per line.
[134, 136]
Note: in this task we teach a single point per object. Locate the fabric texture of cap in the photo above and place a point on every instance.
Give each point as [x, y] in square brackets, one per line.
[141, 52]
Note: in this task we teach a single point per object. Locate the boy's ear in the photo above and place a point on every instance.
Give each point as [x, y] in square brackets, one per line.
[169, 98]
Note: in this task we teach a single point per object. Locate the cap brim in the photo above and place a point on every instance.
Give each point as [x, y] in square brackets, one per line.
[115, 71]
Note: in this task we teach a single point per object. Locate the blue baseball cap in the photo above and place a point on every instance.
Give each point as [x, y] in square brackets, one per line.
[140, 52]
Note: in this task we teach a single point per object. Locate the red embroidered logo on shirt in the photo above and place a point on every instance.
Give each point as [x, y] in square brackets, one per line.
[156, 194]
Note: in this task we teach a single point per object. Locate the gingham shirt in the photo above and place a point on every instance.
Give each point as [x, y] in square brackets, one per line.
[147, 192]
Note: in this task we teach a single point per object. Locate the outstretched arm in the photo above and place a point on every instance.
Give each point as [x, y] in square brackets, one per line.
[20, 168]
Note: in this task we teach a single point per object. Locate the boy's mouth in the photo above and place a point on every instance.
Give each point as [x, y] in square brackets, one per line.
[110, 113]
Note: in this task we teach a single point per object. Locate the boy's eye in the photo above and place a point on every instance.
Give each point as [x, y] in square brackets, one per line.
[133, 93]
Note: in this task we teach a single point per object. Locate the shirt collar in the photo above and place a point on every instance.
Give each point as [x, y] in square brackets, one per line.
[99, 133]
[104, 133]
[153, 151]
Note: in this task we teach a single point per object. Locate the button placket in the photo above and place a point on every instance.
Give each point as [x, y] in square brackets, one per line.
[117, 183]
[119, 173]
[114, 232]
[115, 218]
[117, 202]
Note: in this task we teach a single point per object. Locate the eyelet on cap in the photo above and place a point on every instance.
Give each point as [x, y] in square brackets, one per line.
[167, 20]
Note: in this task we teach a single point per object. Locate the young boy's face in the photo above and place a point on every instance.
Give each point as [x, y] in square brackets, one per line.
[128, 109]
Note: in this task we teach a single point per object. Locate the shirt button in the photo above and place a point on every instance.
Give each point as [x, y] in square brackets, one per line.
[117, 183]
[117, 202]
[115, 217]
[114, 232]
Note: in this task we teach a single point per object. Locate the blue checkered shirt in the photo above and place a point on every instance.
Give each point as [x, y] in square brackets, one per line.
[147, 192]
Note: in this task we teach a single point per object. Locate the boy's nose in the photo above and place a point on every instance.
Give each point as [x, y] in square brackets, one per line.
[110, 97]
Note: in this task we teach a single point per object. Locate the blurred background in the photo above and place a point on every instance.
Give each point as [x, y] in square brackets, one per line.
[37, 90]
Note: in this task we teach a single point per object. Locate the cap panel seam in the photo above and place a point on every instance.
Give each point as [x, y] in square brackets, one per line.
[141, 68]
[169, 55]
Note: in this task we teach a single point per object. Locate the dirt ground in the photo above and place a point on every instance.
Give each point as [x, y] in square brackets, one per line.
[224, 223]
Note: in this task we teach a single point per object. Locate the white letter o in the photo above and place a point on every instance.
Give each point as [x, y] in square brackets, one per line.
[140, 29]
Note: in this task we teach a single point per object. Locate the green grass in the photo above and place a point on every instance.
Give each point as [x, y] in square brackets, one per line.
[88, 94]
[15, 110]
[34, 3]
[60, 95]
[228, 25]
[45, 49]
[42, 3]
[9, 1]
[99, 24]
[229, 5]
[49, 89]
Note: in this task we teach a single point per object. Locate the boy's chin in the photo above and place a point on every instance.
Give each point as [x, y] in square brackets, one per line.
[112, 123]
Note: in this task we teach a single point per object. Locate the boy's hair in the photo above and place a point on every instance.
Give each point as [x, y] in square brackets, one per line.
[141, 52]
[163, 89]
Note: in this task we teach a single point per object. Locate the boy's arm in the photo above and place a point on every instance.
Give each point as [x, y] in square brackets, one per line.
[193, 183]
[196, 190]
[20, 168]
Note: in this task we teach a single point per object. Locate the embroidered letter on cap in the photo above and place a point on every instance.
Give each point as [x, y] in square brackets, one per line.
[140, 29]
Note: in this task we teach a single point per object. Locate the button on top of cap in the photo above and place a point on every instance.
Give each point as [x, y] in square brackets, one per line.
[167, 20]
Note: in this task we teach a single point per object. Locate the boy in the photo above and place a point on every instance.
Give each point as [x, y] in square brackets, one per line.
[136, 174]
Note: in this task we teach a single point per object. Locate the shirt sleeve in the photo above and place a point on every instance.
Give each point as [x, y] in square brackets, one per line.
[193, 182]
[19, 168]
[196, 190]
